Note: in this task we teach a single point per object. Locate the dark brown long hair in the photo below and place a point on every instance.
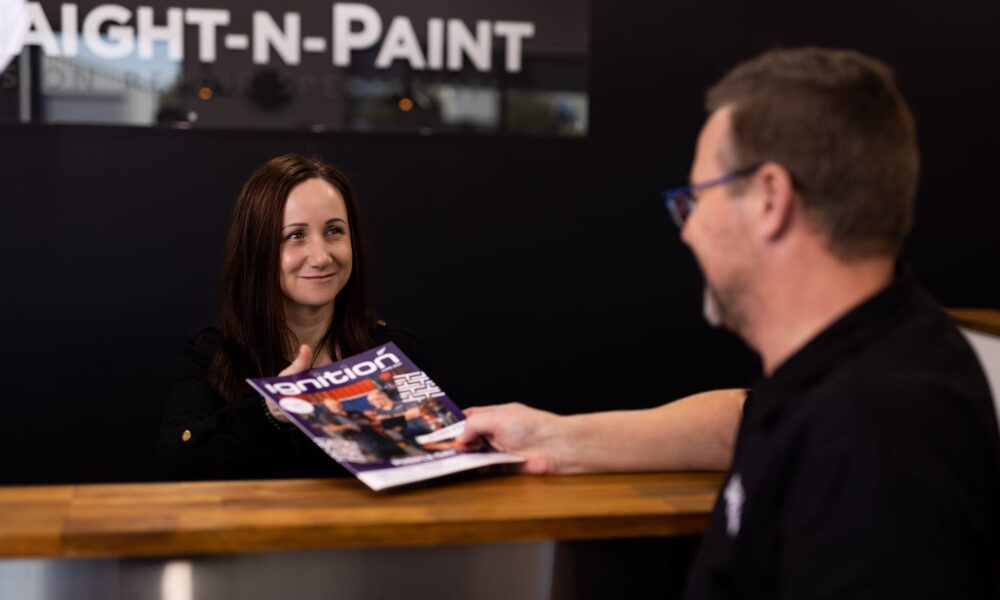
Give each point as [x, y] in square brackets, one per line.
[256, 340]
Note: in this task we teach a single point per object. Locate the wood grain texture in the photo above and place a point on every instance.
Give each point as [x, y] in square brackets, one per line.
[245, 516]
[983, 320]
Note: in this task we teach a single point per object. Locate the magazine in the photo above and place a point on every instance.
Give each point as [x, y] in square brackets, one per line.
[380, 416]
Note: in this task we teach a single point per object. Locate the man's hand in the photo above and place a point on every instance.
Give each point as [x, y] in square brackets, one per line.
[517, 429]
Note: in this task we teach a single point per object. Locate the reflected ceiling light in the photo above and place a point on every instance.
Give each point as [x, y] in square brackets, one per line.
[205, 92]
[405, 104]
[11, 12]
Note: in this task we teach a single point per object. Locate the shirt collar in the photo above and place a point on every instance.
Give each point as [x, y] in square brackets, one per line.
[825, 351]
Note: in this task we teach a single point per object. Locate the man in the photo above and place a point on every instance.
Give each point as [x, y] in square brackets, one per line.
[867, 460]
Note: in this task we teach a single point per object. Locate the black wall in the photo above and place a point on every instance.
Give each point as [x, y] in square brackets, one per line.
[538, 270]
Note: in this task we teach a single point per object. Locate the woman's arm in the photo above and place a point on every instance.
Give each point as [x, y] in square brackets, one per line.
[203, 435]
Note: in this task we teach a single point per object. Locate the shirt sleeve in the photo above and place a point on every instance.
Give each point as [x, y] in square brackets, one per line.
[204, 436]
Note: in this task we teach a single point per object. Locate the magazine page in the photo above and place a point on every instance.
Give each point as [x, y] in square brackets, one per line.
[380, 416]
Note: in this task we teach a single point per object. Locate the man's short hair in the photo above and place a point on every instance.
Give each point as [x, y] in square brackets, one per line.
[836, 120]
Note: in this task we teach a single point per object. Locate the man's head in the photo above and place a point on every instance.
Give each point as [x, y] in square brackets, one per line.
[836, 121]
[379, 399]
[835, 149]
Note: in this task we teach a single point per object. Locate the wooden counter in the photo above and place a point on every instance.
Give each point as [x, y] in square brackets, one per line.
[123, 520]
[983, 320]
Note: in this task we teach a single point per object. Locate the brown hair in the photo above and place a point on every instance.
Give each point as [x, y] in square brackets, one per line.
[256, 340]
[836, 120]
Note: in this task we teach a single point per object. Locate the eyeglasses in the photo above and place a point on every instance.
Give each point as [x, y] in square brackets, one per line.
[682, 200]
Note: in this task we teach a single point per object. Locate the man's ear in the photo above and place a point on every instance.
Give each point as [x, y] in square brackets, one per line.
[776, 206]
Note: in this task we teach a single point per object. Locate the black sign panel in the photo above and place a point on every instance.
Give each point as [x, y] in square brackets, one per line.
[429, 67]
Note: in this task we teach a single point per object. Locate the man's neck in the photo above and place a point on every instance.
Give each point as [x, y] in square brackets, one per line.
[804, 297]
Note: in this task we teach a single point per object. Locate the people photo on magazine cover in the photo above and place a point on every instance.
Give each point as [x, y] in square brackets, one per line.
[378, 418]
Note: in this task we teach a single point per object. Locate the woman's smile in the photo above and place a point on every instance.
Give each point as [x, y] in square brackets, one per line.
[324, 278]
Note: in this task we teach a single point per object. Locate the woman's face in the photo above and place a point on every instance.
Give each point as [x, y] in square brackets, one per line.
[315, 245]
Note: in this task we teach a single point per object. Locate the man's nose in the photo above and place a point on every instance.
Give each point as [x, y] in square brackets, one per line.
[685, 231]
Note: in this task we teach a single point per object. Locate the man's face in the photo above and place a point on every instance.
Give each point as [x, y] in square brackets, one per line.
[717, 231]
[379, 400]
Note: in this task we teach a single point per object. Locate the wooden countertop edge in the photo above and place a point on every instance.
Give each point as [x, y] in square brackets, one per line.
[983, 320]
[145, 544]
[185, 518]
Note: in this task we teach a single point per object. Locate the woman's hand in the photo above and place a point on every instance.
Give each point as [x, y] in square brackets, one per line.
[301, 363]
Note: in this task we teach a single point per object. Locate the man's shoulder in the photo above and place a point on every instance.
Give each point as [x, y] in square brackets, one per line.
[917, 374]
[916, 396]
[923, 356]
[920, 348]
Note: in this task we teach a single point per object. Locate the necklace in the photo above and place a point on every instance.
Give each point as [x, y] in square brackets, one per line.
[317, 352]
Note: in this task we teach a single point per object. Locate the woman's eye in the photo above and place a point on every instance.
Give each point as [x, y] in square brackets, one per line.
[333, 231]
[295, 235]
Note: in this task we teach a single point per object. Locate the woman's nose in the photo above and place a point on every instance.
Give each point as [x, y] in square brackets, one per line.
[319, 253]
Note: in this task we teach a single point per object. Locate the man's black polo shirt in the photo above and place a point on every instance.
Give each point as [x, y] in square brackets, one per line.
[866, 466]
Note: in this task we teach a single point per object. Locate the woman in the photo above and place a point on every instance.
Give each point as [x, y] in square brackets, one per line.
[293, 298]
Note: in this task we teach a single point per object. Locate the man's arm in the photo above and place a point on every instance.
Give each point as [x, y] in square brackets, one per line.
[694, 433]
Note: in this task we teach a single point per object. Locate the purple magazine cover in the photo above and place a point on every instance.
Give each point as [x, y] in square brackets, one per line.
[380, 416]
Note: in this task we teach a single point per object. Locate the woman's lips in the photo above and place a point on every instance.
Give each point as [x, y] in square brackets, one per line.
[318, 278]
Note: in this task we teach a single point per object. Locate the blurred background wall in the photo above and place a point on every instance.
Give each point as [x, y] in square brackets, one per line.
[535, 269]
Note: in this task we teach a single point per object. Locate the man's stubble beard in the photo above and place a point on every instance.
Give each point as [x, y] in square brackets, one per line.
[721, 308]
[711, 309]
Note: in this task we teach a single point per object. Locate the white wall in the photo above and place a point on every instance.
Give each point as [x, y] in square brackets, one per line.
[987, 347]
